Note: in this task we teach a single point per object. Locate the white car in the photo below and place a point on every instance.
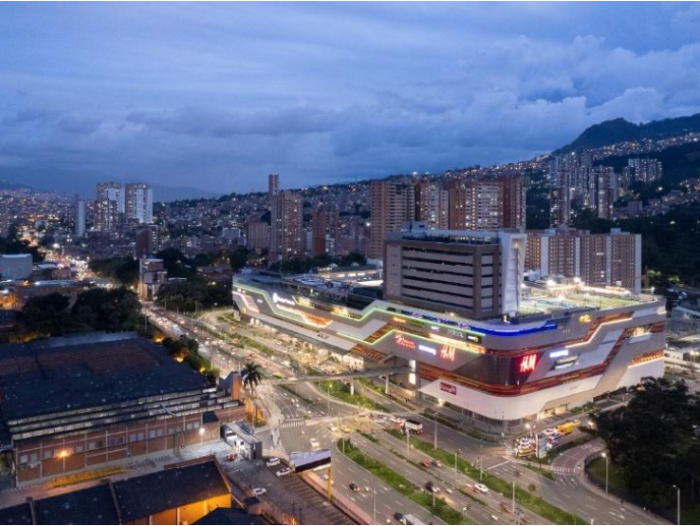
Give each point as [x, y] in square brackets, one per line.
[259, 492]
[283, 472]
[333, 429]
[314, 443]
[274, 461]
[481, 488]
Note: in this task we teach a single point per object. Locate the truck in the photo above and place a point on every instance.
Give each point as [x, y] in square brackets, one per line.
[413, 426]
[566, 429]
[411, 519]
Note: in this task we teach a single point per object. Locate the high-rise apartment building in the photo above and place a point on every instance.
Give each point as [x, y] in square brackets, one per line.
[273, 185]
[433, 205]
[139, 203]
[286, 228]
[257, 235]
[324, 231]
[392, 204]
[80, 218]
[4, 220]
[110, 206]
[613, 259]
[645, 170]
[560, 197]
[604, 191]
[487, 204]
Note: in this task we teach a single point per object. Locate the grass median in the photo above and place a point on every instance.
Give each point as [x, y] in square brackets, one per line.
[534, 503]
[339, 390]
[402, 485]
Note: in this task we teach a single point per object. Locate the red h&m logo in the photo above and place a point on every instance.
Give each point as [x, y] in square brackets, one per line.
[447, 352]
[448, 388]
[528, 363]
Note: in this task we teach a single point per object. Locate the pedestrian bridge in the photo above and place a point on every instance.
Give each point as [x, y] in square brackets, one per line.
[369, 373]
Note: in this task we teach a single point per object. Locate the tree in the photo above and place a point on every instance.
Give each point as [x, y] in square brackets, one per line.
[45, 316]
[652, 439]
[252, 376]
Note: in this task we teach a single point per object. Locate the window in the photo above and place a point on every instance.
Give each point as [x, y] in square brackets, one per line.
[23, 459]
[155, 433]
[136, 437]
[116, 441]
[95, 444]
[48, 453]
[79, 448]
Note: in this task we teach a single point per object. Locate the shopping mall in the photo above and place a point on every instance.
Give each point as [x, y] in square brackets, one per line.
[455, 312]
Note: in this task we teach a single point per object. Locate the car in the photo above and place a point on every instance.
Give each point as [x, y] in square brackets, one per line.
[272, 462]
[425, 463]
[333, 429]
[314, 443]
[437, 463]
[480, 488]
[354, 487]
[231, 457]
[326, 477]
[449, 490]
[283, 472]
[259, 492]
[431, 487]
[398, 517]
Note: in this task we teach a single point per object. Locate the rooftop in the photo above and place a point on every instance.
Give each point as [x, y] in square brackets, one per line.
[67, 374]
[126, 500]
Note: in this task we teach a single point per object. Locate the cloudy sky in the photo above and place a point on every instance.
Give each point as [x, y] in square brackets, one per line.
[215, 96]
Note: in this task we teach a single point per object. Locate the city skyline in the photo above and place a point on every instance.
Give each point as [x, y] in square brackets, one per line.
[250, 90]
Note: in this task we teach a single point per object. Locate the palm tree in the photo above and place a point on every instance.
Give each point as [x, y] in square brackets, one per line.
[252, 376]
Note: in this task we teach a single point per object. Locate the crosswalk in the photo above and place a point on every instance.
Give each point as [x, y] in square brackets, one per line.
[292, 423]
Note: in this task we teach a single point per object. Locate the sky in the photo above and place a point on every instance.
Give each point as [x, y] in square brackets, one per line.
[214, 96]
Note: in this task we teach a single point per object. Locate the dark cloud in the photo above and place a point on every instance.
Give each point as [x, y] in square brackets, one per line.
[217, 95]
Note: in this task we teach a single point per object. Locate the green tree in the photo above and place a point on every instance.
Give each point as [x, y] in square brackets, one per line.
[252, 376]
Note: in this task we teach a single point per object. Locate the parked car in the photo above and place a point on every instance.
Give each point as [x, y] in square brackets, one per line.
[314, 443]
[272, 462]
[283, 472]
[259, 492]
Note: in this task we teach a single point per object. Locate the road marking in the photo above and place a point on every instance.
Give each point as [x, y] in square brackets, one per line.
[497, 465]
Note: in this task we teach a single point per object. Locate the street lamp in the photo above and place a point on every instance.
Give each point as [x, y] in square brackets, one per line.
[678, 503]
[456, 452]
[605, 456]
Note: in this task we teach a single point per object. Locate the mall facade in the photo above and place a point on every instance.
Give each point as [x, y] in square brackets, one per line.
[557, 346]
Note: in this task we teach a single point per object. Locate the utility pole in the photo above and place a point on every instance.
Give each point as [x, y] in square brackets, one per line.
[408, 449]
[436, 432]
[513, 500]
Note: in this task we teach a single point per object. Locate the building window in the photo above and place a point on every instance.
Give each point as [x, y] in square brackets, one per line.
[95, 444]
[116, 441]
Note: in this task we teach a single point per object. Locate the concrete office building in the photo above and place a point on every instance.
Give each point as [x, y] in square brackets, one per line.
[465, 272]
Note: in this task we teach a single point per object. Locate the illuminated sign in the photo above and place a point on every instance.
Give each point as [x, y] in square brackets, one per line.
[448, 388]
[401, 340]
[341, 311]
[398, 320]
[559, 354]
[473, 338]
[448, 352]
[279, 299]
[585, 318]
[528, 363]
[425, 348]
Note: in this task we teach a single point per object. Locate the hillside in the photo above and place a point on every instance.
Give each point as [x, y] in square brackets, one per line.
[620, 130]
[680, 162]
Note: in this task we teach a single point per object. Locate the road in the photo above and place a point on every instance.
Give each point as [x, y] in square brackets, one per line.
[567, 491]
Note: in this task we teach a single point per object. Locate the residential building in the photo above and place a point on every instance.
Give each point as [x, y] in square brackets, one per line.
[433, 205]
[392, 204]
[286, 228]
[257, 235]
[613, 259]
[80, 218]
[139, 203]
[16, 266]
[152, 275]
[273, 185]
[110, 207]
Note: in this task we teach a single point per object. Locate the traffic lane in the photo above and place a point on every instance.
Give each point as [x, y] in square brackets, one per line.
[420, 478]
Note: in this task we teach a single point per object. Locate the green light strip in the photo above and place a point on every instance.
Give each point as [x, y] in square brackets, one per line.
[371, 311]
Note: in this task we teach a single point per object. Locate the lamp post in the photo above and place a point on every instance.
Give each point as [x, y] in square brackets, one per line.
[605, 456]
[456, 452]
[678, 503]
[374, 508]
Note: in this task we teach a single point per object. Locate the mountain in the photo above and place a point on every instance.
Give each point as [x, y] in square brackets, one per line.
[177, 193]
[620, 130]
